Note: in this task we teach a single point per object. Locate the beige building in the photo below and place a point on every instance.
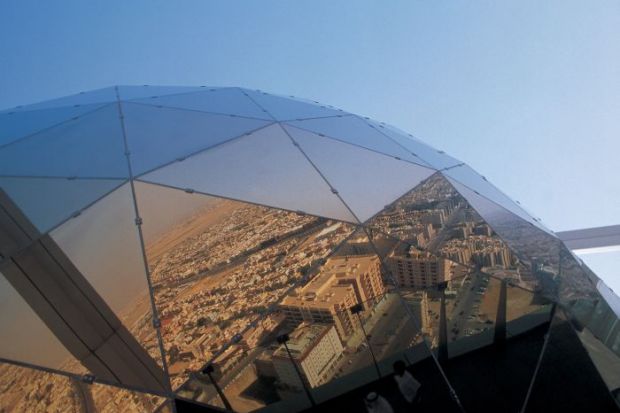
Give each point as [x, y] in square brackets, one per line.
[327, 298]
[418, 269]
[315, 348]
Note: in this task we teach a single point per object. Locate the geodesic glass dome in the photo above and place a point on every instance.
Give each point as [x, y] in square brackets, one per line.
[147, 233]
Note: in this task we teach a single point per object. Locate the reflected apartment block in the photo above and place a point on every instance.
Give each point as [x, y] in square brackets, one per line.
[343, 282]
[315, 349]
[418, 269]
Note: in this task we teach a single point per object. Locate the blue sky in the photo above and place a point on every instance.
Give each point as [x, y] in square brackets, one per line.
[526, 92]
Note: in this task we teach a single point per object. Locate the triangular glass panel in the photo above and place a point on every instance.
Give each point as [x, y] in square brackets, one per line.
[101, 251]
[157, 136]
[264, 168]
[98, 96]
[148, 91]
[24, 337]
[224, 101]
[366, 180]
[598, 328]
[433, 157]
[567, 379]
[418, 215]
[536, 250]
[47, 202]
[15, 125]
[466, 176]
[352, 129]
[575, 281]
[285, 108]
[87, 146]
[217, 265]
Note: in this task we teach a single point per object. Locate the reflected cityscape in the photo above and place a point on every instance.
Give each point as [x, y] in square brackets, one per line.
[232, 277]
[177, 292]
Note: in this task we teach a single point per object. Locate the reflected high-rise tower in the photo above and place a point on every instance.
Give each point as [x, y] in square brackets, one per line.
[154, 241]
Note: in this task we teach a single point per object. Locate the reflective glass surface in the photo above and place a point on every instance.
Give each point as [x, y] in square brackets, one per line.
[351, 129]
[248, 216]
[366, 180]
[98, 96]
[29, 390]
[433, 157]
[47, 202]
[148, 91]
[157, 136]
[477, 183]
[25, 337]
[225, 101]
[15, 125]
[217, 265]
[581, 390]
[87, 146]
[281, 108]
[536, 250]
[104, 246]
[264, 167]
[481, 305]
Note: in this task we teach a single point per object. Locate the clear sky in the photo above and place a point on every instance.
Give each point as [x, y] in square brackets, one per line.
[526, 92]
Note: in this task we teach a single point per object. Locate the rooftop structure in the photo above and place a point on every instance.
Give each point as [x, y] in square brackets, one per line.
[315, 348]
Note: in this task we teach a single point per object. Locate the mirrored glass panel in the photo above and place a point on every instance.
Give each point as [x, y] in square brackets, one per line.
[224, 101]
[47, 202]
[352, 129]
[98, 96]
[104, 250]
[535, 249]
[595, 317]
[90, 145]
[284, 108]
[30, 390]
[24, 336]
[110, 399]
[479, 184]
[339, 330]
[15, 125]
[149, 91]
[264, 168]
[157, 135]
[435, 217]
[581, 386]
[472, 320]
[431, 156]
[366, 180]
[217, 265]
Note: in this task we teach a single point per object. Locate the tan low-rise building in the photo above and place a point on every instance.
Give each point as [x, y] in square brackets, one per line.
[418, 269]
[327, 298]
[315, 349]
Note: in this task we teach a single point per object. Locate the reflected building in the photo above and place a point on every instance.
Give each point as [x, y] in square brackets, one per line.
[316, 349]
[343, 282]
[417, 269]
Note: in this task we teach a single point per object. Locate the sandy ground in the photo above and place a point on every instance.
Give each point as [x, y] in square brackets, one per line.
[193, 226]
[519, 302]
[233, 392]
